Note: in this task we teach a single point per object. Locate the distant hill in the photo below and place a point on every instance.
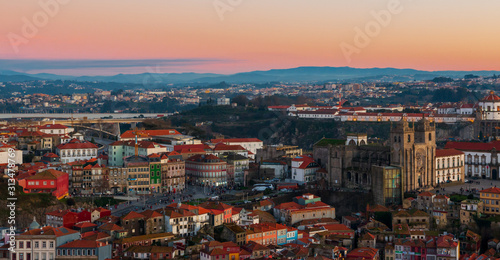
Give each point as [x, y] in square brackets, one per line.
[300, 74]
[17, 78]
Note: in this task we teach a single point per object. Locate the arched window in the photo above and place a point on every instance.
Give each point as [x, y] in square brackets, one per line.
[409, 138]
[430, 136]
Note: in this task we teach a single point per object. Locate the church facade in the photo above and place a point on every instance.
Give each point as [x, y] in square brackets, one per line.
[353, 163]
[413, 148]
[487, 123]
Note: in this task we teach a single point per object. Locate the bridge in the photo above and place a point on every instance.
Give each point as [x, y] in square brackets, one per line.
[101, 131]
[69, 122]
[89, 122]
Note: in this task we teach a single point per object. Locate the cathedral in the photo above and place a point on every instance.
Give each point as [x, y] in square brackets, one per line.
[405, 163]
[413, 148]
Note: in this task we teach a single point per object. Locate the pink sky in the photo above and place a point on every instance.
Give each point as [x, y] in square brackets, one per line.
[257, 34]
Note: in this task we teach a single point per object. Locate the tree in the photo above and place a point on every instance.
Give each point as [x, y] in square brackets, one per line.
[241, 100]
[70, 202]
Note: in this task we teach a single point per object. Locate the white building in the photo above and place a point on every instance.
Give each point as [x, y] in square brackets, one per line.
[304, 169]
[250, 144]
[41, 244]
[280, 168]
[6, 152]
[449, 165]
[490, 107]
[57, 129]
[185, 220]
[466, 109]
[76, 150]
[223, 101]
[480, 159]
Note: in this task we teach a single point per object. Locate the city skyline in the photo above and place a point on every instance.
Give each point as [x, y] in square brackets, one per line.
[235, 36]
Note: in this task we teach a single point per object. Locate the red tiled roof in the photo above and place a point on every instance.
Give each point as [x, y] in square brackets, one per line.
[110, 227]
[95, 235]
[85, 225]
[133, 215]
[148, 133]
[218, 251]
[51, 155]
[53, 126]
[77, 144]
[491, 97]
[140, 144]
[236, 140]
[363, 252]
[337, 227]
[49, 174]
[447, 152]
[492, 190]
[82, 244]
[191, 150]
[225, 147]
[191, 146]
[426, 194]
[473, 146]
[151, 214]
[60, 231]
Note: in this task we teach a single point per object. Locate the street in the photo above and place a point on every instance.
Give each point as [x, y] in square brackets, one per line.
[159, 200]
[475, 186]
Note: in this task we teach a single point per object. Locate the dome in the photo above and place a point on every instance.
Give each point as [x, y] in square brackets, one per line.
[491, 97]
[34, 224]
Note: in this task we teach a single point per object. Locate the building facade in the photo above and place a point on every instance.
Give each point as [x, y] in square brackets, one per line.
[76, 150]
[413, 148]
[206, 170]
[450, 166]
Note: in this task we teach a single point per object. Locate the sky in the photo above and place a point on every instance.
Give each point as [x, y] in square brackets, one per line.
[95, 37]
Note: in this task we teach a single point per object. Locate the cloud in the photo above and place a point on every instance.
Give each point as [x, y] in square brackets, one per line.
[37, 65]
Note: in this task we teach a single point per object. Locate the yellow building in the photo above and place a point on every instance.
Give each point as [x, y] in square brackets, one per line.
[491, 201]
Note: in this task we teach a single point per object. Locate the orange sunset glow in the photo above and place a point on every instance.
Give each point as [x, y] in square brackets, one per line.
[235, 36]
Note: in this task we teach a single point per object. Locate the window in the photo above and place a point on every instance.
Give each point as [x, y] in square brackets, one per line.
[44, 244]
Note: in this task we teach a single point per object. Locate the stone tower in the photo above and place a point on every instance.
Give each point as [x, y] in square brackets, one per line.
[413, 148]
